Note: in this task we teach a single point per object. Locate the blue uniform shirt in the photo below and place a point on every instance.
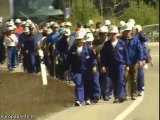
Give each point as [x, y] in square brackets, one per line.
[142, 40]
[111, 56]
[78, 63]
[53, 37]
[135, 51]
[62, 45]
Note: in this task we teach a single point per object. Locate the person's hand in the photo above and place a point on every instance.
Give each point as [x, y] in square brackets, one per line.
[103, 70]
[127, 68]
[140, 63]
[94, 69]
[144, 62]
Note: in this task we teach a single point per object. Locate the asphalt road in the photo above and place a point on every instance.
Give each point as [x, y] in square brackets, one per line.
[149, 108]
[145, 107]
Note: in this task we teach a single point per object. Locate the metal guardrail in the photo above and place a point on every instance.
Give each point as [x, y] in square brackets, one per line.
[152, 32]
[150, 28]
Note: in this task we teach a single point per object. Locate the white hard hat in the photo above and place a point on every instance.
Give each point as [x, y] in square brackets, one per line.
[67, 32]
[23, 22]
[132, 21]
[10, 28]
[79, 35]
[11, 22]
[121, 24]
[69, 24]
[29, 21]
[55, 25]
[89, 37]
[132, 24]
[103, 29]
[26, 30]
[52, 23]
[27, 24]
[48, 24]
[107, 22]
[90, 22]
[82, 30]
[139, 27]
[18, 21]
[113, 29]
[127, 26]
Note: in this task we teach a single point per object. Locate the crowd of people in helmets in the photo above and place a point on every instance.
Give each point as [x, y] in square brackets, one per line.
[102, 60]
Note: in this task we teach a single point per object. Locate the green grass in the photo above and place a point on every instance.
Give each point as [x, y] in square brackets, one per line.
[24, 94]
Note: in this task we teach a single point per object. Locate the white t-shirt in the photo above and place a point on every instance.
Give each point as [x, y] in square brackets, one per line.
[114, 43]
[79, 49]
[11, 40]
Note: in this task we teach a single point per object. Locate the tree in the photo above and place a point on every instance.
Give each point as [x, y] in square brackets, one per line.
[83, 10]
[143, 14]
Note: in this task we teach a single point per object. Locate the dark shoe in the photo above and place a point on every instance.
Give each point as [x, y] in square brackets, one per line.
[116, 101]
[125, 98]
[121, 100]
[77, 103]
[95, 99]
[133, 98]
[11, 69]
[106, 99]
[139, 94]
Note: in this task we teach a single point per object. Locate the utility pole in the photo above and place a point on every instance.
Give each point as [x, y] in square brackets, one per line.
[101, 7]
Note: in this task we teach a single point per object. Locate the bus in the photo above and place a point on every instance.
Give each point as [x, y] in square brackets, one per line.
[36, 10]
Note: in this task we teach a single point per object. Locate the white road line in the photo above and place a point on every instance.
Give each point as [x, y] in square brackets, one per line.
[154, 55]
[130, 108]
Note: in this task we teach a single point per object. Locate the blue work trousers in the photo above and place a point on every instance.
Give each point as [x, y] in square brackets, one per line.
[116, 74]
[105, 84]
[83, 86]
[140, 79]
[96, 89]
[11, 56]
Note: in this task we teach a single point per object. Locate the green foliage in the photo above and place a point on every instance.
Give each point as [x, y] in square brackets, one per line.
[143, 14]
[83, 10]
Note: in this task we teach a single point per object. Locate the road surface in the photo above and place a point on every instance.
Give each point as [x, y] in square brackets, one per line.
[145, 107]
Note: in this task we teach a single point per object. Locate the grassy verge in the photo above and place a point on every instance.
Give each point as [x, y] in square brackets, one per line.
[24, 94]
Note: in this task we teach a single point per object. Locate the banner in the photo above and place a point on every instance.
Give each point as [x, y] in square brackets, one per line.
[67, 13]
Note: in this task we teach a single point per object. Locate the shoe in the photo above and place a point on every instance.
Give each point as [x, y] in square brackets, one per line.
[121, 100]
[88, 102]
[133, 98]
[106, 99]
[124, 98]
[11, 69]
[95, 99]
[139, 94]
[77, 103]
[116, 100]
[143, 88]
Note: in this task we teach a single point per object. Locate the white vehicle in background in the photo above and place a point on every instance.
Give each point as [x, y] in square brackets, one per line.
[36, 10]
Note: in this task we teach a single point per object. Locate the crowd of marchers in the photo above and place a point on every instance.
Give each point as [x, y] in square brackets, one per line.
[101, 59]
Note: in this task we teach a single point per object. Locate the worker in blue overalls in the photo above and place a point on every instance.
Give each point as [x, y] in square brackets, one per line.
[30, 50]
[135, 54]
[63, 47]
[96, 90]
[52, 38]
[140, 77]
[114, 59]
[22, 38]
[81, 61]
[105, 82]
